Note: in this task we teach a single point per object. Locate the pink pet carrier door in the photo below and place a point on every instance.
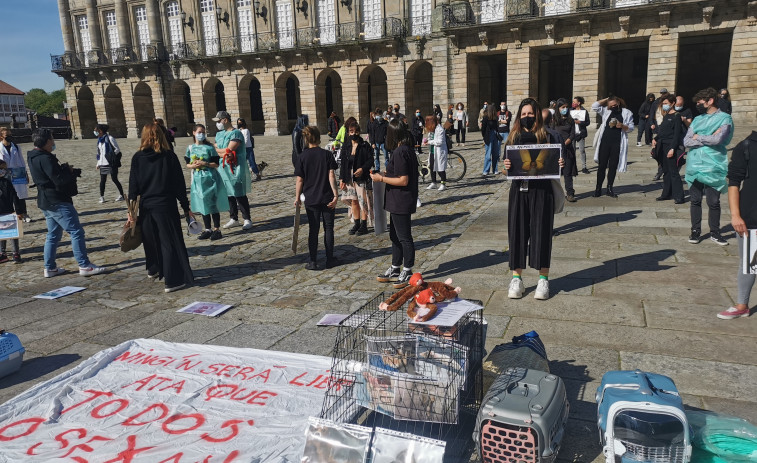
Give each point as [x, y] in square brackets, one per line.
[502, 443]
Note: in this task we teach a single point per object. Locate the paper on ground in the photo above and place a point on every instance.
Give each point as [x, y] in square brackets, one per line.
[210, 309]
[60, 292]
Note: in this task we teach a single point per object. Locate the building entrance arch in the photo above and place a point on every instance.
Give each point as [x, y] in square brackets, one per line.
[85, 106]
[114, 111]
[419, 88]
[372, 92]
[251, 104]
[288, 106]
[144, 112]
[328, 98]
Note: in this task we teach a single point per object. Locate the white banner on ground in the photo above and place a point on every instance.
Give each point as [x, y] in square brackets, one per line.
[149, 401]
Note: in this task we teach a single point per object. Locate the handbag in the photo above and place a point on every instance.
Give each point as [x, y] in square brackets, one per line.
[559, 194]
[131, 235]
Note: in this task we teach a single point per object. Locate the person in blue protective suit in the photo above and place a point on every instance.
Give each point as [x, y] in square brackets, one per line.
[234, 170]
[207, 192]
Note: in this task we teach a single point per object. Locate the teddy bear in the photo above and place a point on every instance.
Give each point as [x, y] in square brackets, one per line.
[422, 307]
[442, 292]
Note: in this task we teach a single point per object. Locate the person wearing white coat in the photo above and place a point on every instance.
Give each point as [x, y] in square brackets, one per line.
[108, 148]
[612, 150]
[12, 156]
[437, 158]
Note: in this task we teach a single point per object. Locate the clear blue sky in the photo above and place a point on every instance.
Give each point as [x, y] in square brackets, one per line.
[29, 34]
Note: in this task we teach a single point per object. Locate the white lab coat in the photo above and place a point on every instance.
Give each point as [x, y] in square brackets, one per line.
[627, 121]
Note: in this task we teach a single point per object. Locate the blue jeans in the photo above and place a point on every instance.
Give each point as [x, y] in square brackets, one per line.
[251, 160]
[376, 153]
[62, 217]
[491, 156]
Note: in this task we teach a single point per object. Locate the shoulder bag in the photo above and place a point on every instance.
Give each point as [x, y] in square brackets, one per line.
[131, 235]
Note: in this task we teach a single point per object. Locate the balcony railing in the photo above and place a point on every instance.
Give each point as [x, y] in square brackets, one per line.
[464, 14]
[110, 57]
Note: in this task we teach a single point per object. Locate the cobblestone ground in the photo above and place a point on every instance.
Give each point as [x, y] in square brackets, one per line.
[628, 290]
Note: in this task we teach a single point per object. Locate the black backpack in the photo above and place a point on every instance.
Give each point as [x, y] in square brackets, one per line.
[113, 158]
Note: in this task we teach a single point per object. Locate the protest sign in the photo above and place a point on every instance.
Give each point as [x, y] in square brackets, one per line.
[150, 401]
[9, 227]
[533, 162]
[749, 256]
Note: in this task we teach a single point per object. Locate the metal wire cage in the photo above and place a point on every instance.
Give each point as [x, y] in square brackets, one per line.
[421, 379]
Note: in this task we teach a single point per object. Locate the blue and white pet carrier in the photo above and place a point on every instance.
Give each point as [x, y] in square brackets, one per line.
[11, 353]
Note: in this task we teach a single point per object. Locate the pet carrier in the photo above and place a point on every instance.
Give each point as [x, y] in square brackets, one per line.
[522, 419]
[524, 351]
[11, 353]
[641, 419]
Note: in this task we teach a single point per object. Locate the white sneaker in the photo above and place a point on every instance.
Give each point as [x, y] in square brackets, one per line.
[516, 289]
[638, 143]
[542, 290]
[431, 186]
[247, 225]
[102, 199]
[120, 198]
[91, 270]
[231, 223]
[442, 187]
[54, 272]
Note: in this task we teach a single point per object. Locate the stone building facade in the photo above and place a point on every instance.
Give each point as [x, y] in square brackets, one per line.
[127, 61]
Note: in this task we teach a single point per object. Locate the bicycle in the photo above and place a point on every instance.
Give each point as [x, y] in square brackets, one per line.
[456, 167]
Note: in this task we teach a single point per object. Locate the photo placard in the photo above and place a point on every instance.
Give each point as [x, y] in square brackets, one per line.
[534, 162]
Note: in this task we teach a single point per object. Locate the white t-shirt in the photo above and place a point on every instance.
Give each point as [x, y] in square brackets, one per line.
[247, 137]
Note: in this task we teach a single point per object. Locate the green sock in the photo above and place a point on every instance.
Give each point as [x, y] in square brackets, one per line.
[516, 276]
[544, 277]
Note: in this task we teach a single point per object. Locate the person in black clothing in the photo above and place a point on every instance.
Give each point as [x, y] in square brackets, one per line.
[56, 187]
[419, 123]
[565, 126]
[156, 178]
[400, 200]
[354, 173]
[377, 136]
[334, 124]
[724, 102]
[438, 112]
[668, 145]
[167, 133]
[643, 119]
[10, 204]
[683, 111]
[315, 178]
[298, 144]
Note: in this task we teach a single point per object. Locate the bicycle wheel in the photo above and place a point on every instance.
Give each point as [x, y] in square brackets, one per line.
[456, 167]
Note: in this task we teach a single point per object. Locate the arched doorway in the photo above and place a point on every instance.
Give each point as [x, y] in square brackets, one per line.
[251, 104]
[214, 97]
[183, 116]
[85, 106]
[372, 92]
[328, 98]
[419, 88]
[144, 111]
[114, 111]
[288, 105]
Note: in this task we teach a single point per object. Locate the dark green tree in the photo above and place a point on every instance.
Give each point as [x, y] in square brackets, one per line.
[45, 104]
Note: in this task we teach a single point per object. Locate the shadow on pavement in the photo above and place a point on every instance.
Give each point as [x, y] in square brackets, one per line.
[478, 261]
[596, 220]
[452, 199]
[38, 367]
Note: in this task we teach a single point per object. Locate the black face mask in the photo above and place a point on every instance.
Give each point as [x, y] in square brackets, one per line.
[528, 122]
[355, 138]
[9, 138]
[701, 108]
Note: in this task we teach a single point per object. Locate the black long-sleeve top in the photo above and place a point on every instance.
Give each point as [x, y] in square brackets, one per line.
[671, 131]
[158, 179]
[738, 171]
[9, 201]
[644, 110]
[377, 132]
[363, 159]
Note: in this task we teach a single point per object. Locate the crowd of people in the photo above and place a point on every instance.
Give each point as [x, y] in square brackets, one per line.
[221, 176]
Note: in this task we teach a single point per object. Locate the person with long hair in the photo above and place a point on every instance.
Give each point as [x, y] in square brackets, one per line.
[156, 178]
[356, 162]
[530, 220]
[298, 143]
[207, 192]
[489, 126]
[400, 200]
[567, 128]
[437, 157]
[461, 124]
[108, 160]
[612, 150]
[315, 178]
[669, 140]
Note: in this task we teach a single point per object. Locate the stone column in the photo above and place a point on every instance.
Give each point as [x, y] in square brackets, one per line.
[153, 21]
[663, 62]
[66, 27]
[122, 18]
[518, 76]
[307, 95]
[741, 74]
[127, 99]
[443, 78]
[586, 73]
[93, 22]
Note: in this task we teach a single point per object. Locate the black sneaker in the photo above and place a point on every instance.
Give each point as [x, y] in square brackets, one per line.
[717, 239]
[695, 237]
[354, 228]
[311, 266]
[585, 171]
[402, 279]
[363, 230]
[16, 258]
[392, 273]
[215, 235]
[204, 235]
[4, 258]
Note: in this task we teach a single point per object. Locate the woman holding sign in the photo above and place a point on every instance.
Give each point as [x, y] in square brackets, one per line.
[531, 206]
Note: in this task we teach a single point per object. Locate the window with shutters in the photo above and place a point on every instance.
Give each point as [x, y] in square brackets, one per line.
[326, 21]
[246, 26]
[84, 40]
[209, 27]
[420, 17]
[492, 11]
[143, 31]
[175, 28]
[284, 24]
[372, 19]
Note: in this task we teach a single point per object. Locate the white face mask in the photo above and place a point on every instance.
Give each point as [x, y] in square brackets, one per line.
[485, 105]
[220, 126]
[97, 134]
[200, 136]
[502, 107]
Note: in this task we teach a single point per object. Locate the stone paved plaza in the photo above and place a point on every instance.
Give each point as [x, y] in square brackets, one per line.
[628, 290]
